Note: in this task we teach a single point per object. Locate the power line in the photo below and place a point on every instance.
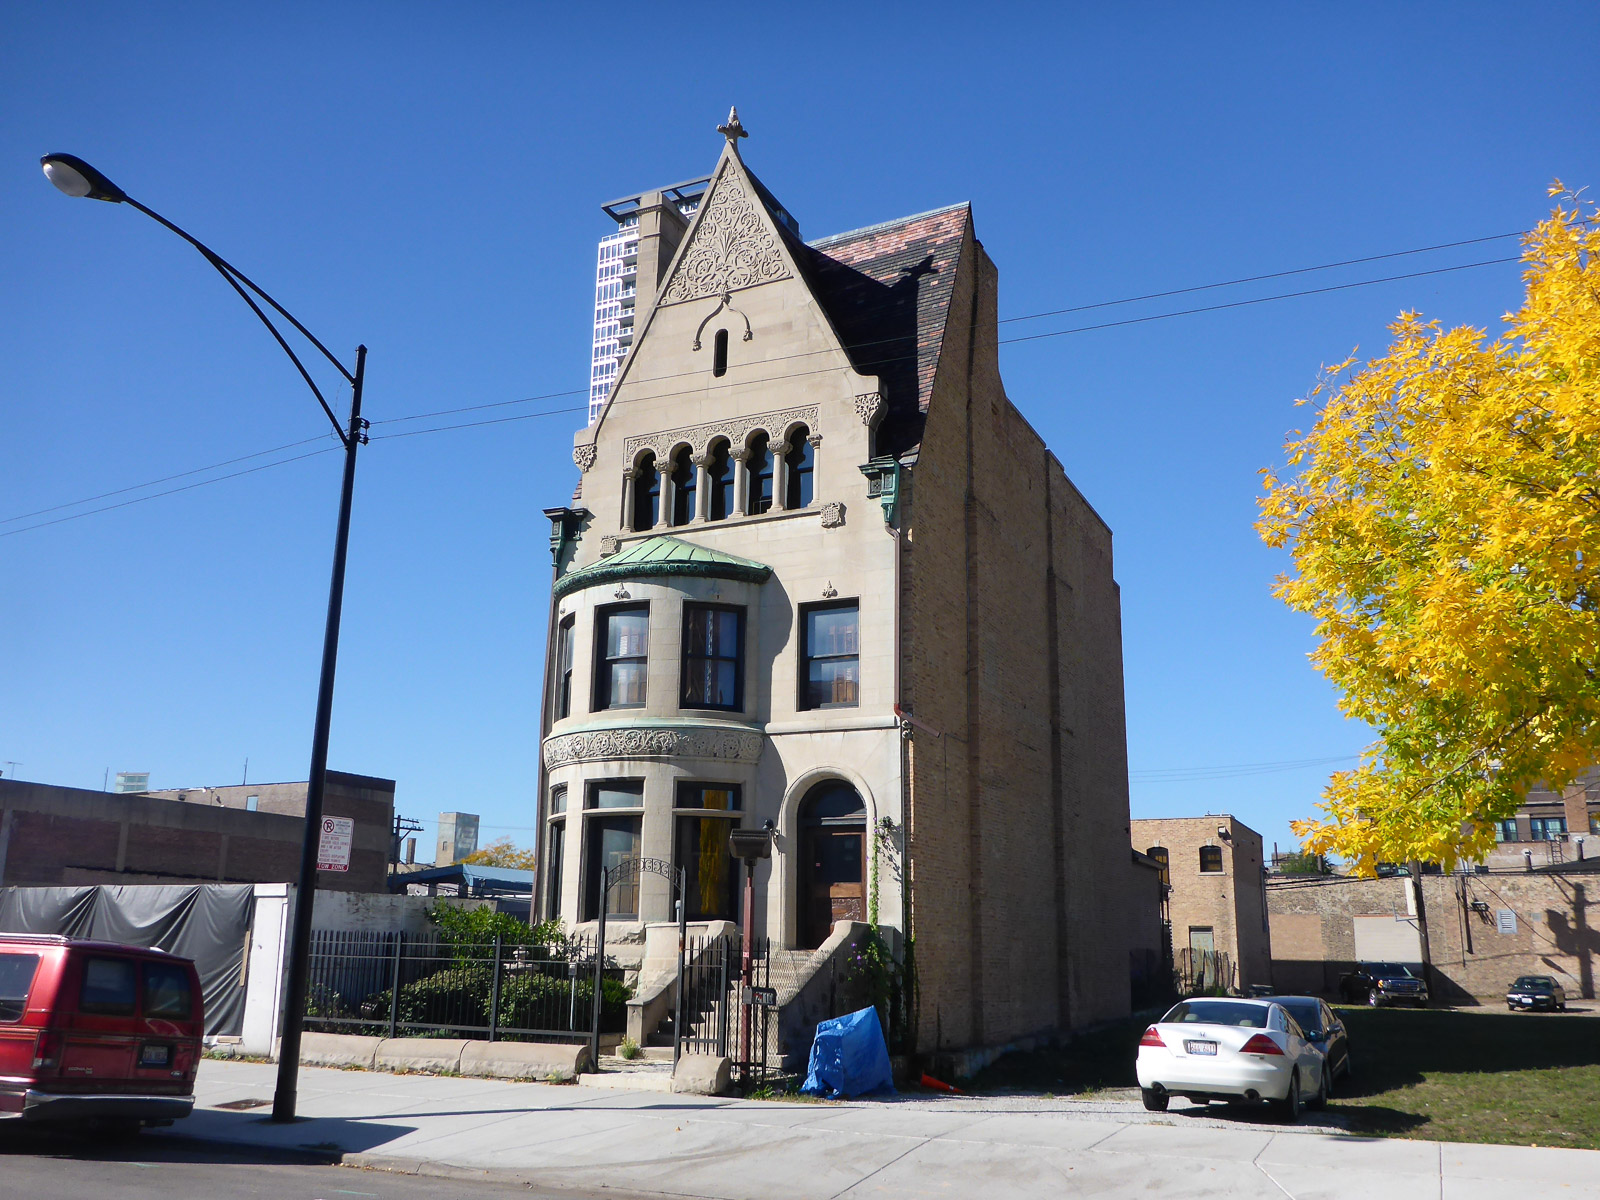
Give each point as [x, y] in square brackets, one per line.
[787, 375]
[170, 491]
[1232, 770]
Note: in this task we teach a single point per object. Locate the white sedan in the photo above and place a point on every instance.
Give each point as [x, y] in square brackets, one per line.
[1223, 1049]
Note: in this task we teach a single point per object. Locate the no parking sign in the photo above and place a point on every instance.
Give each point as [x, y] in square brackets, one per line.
[333, 848]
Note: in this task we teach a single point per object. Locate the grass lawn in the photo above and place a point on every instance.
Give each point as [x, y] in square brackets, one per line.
[1514, 1078]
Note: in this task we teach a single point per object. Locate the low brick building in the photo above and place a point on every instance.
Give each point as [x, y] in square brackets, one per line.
[1551, 828]
[1483, 929]
[247, 834]
[1217, 899]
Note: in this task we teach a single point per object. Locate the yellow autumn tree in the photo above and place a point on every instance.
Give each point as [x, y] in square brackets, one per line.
[503, 852]
[1443, 516]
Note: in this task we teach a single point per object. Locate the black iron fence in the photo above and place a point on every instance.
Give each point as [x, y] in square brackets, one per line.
[395, 985]
[714, 1004]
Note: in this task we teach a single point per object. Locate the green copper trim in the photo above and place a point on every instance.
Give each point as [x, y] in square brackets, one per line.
[664, 556]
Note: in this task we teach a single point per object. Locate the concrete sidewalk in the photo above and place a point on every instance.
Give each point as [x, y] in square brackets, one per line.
[583, 1140]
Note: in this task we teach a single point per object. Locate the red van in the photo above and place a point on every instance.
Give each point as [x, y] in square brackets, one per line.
[94, 1031]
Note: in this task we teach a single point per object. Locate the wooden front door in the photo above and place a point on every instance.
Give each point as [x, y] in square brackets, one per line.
[835, 885]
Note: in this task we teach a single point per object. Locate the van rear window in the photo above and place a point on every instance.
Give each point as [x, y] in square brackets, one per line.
[108, 986]
[166, 992]
[16, 980]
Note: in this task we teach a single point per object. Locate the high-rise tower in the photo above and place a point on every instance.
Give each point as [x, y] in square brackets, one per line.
[616, 276]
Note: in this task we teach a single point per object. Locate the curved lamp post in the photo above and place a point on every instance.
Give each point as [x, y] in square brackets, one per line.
[75, 177]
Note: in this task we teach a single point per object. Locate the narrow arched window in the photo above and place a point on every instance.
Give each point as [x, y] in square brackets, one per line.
[719, 354]
[683, 482]
[800, 460]
[647, 494]
[760, 494]
[720, 475]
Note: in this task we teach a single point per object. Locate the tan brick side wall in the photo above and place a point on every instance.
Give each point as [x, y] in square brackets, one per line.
[1023, 895]
[1556, 930]
[1229, 902]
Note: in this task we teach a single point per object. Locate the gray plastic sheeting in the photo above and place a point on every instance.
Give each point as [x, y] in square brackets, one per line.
[207, 922]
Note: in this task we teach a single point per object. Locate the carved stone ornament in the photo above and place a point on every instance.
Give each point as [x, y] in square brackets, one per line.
[733, 247]
[736, 429]
[608, 545]
[832, 515]
[868, 405]
[584, 455]
[599, 745]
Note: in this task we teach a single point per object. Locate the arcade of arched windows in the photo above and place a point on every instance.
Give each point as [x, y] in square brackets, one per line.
[762, 475]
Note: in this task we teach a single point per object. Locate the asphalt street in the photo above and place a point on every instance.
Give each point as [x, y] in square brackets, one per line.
[41, 1166]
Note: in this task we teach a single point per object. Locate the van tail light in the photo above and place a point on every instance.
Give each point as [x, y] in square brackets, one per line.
[1152, 1038]
[1261, 1044]
[47, 1050]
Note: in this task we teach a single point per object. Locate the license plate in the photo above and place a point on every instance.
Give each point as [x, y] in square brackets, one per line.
[1200, 1047]
[154, 1056]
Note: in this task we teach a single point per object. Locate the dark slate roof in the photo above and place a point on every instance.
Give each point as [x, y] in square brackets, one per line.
[887, 289]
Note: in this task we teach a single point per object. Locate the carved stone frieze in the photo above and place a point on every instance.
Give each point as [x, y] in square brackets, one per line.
[733, 247]
[645, 741]
[868, 405]
[584, 455]
[735, 429]
[832, 515]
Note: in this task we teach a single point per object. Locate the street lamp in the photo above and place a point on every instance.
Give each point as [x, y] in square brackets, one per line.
[77, 178]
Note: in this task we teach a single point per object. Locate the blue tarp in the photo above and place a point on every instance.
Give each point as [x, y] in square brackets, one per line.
[849, 1057]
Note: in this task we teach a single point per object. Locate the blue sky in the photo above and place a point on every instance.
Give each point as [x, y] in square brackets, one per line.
[425, 179]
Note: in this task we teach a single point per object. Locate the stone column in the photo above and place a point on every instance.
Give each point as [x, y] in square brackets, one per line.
[780, 474]
[815, 439]
[741, 481]
[702, 491]
[628, 478]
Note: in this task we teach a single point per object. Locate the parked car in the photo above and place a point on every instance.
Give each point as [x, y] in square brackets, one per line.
[1235, 1050]
[1324, 1030]
[1536, 991]
[96, 1032]
[1379, 983]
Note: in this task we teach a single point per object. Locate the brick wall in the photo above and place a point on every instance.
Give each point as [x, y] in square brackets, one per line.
[53, 835]
[1023, 885]
[1554, 915]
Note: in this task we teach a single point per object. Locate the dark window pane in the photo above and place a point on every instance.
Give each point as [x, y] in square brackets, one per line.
[831, 636]
[684, 477]
[722, 797]
[839, 857]
[109, 986]
[647, 495]
[624, 793]
[167, 992]
[612, 841]
[721, 474]
[759, 499]
[712, 657]
[554, 855]
[621, 659]
[800, 461]
[1211, 858]
[16, 980]
[564, 668]
[558, 799]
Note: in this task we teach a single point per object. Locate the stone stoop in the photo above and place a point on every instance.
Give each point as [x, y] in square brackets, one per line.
[644, 1074]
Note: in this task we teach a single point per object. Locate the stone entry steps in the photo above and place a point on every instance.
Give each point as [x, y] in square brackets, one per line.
[648, 1073]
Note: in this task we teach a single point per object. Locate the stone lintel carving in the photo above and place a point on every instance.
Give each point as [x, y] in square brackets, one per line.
[645, 741]
[868, 406]
[584, 455]
[733, 246]
[832, 515]
[736, 429]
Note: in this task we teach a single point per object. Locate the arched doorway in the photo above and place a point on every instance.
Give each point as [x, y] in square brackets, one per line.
[833, 860]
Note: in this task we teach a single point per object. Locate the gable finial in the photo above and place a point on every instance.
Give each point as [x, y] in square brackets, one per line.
[733, 131]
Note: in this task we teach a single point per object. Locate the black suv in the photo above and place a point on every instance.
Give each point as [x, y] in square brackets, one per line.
[1383, 983]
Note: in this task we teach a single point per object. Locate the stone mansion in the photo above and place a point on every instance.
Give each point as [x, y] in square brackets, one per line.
[821, 576]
